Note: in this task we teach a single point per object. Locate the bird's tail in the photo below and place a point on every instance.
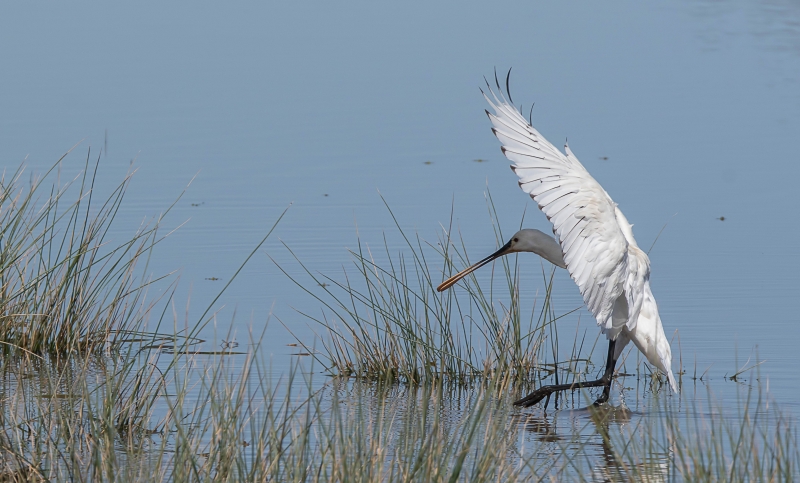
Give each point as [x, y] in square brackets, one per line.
[672, 382]
[665, 358]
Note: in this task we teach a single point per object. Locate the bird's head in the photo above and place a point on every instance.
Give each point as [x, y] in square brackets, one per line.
[525, 240]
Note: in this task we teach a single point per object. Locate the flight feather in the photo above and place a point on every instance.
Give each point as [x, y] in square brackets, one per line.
[599, 253]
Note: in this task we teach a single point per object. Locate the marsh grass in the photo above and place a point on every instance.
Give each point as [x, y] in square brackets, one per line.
[65, 285]
[428, 405]
[67, 418]
[212, 418]
[229, 421]
[707, 441]
[384, 318]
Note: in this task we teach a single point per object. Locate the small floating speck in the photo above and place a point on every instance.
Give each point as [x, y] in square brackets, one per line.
[428, 162]
[198, 204]
[604, 158]
[213, 279]
[326, 194]
[721, 218]
[479, 160]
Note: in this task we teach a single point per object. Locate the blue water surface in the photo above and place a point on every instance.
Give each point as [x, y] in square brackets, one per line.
[686, 113]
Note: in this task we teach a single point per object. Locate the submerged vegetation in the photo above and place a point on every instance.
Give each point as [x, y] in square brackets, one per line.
[421, 389]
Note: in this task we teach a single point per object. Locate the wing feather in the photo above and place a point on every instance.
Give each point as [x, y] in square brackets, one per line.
[593, 238]
[561, 210]
[546, 197]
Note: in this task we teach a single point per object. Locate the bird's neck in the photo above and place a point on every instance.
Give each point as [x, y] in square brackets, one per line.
[548, 248]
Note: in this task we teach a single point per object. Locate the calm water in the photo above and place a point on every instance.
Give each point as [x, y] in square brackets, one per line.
[685, 113]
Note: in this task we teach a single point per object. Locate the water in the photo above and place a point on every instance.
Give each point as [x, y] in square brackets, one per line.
[685, 113]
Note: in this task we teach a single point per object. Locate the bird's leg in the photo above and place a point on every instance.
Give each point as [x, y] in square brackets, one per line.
[611, 362]
[605, 382]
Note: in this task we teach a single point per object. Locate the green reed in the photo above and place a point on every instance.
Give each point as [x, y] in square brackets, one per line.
[65, 284]
[385, 319]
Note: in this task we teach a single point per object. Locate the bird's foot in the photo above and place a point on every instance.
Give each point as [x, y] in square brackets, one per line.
[534, 397]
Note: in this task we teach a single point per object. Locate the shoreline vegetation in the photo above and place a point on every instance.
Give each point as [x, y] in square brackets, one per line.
[408, 385]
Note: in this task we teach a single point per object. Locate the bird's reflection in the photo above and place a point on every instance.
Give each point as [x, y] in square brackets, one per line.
[601, 424]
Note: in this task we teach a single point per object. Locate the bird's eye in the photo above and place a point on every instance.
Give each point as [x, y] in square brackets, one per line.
[516, 239]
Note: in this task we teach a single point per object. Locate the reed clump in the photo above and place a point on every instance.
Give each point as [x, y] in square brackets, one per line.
[385, 319]
[65, 284]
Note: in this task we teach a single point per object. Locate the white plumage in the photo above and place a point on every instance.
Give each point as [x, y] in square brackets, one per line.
[599, 250]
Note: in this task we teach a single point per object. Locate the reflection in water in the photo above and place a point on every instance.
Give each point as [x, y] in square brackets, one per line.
[609, 467]
[57, 414]
[598, 443]
[370, 431]
[593, 427]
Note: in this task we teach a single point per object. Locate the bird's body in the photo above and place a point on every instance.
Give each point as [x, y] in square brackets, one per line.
[595, 238]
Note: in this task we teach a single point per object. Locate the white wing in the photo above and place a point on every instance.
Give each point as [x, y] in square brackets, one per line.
[596, 239]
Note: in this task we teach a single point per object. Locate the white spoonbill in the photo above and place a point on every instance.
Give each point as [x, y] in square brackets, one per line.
[594, 242]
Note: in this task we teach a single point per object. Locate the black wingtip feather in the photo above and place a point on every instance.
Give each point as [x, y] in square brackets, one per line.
[508, 90]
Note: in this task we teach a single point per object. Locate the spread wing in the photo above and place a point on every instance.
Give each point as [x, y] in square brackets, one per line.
[585, 220]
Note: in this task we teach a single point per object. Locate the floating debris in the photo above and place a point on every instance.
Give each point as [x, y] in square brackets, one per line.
[721, 218]
[604, 158]
[198, 204]
[229, 344]
[213, 279]
[479, 160]
[428, 162]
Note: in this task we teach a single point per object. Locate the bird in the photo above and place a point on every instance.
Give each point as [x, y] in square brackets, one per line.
[593, 241]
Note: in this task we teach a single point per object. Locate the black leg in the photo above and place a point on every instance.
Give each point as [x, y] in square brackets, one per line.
[605, 382]
[611, 362]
